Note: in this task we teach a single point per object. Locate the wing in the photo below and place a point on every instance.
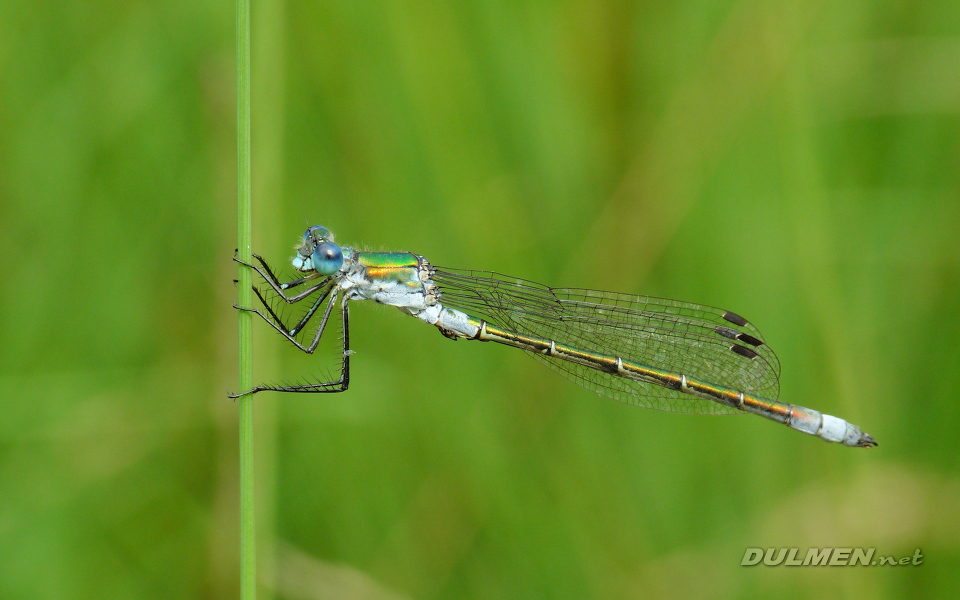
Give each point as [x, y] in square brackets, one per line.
[699, 341]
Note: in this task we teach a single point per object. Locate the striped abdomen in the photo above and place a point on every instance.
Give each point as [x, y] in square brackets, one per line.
[827, 427]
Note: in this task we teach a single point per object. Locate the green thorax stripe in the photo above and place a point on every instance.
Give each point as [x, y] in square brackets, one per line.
[387, 260]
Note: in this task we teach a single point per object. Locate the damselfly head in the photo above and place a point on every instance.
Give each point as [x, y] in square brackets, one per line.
[317, 252]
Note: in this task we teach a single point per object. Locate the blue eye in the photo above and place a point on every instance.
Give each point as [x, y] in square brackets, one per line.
[327, 258]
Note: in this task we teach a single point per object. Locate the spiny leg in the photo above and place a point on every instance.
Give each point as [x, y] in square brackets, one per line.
[279, 320]
[320, 387]
[341, 384]
[273, 279]
[306, 317]
[267, 274]
[276, 323]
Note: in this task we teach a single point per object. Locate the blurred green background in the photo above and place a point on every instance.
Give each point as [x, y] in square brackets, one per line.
[798, 163]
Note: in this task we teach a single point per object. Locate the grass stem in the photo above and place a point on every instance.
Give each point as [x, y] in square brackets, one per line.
[248, 566]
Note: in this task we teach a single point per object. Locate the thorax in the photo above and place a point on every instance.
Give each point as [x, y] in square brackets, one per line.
[400, 279]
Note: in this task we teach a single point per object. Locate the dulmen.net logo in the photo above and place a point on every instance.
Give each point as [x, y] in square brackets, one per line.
[825, 557]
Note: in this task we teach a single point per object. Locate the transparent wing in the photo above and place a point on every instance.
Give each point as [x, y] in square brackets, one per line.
[699, 341]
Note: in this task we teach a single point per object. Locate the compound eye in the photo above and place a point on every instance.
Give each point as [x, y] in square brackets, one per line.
[318, 232]
[327, 258]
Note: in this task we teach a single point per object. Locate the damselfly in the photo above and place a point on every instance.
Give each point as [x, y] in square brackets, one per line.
[650, 352]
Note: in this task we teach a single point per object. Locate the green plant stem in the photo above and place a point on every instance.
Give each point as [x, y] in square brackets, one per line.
[248, 565]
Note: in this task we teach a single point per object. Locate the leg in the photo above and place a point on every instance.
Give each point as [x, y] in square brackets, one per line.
[306, 317]
[327, 387]
[278, 321]
[267, 274]
[290, 334]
